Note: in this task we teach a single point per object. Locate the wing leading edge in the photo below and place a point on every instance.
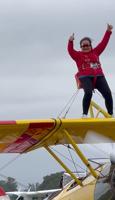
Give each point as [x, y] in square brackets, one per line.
[33, 193]
[25, 135]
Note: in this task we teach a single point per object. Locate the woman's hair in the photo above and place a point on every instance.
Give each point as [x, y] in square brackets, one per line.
[85, 38]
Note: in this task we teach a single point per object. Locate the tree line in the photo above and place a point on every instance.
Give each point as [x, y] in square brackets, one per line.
[51, 181]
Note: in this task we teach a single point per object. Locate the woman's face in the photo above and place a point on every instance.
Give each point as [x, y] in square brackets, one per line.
[86, 46]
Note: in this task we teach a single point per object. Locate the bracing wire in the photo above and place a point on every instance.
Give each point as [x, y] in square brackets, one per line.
[93, 153]
[93, 160]
[66, 110]
[67, 158]
[100, 150]
[9, 162]
[69, 147]
[97, 148]
[74, 164]
[72, 159]
[68, 104]
[113, 93]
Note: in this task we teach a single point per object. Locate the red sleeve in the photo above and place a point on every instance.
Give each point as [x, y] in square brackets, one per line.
[73, 53]
[102, 45]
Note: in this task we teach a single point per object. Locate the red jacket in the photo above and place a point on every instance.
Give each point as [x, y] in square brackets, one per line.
[88, 62]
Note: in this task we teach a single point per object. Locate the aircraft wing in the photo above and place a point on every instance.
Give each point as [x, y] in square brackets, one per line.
[25, 135]
[33, 193]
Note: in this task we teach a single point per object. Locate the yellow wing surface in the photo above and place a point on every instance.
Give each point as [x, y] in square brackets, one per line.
[25, 135]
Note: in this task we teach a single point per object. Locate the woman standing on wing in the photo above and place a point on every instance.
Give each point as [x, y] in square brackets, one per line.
[90, 73]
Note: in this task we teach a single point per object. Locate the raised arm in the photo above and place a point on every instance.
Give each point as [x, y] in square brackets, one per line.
[73, 53]
[102, 45]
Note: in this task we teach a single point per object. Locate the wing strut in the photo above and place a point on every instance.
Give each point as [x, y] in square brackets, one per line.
[99, 110]
[64, 166]
[80, 154]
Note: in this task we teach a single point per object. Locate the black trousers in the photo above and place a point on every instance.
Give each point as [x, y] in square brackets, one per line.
[102, 86]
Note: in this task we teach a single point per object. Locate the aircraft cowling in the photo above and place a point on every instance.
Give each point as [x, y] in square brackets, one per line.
[3, 195]
[105, 185]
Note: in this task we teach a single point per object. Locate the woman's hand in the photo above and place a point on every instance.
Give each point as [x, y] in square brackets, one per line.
[109, 27]
[71, 38]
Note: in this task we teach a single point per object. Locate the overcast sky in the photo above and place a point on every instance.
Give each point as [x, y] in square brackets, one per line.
[36, 72]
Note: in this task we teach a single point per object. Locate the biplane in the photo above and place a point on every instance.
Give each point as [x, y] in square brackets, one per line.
[23, 136]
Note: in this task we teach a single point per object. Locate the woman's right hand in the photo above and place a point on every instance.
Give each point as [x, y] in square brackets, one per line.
[109, 27]
[71, 38]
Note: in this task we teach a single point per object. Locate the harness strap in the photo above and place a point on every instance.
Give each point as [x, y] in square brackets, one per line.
[79, 84]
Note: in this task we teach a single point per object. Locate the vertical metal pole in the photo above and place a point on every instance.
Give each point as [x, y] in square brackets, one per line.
[63, 165]
[80, 154]
[100, 109]
[91, 111]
